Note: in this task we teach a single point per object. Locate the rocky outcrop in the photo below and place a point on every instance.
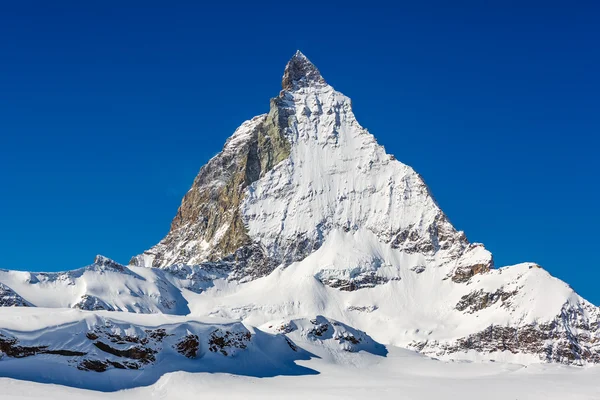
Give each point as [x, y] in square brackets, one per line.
[300, 72]
[10, 347]
[101, 366]
[478, 300]
[571, 338]
[359, 281]
[116, 345]
[228, 342]
[9, 298]
[208, 229]
[105, 263]
[188, 346]
[92, 303]
[475, 260]
[330, 333]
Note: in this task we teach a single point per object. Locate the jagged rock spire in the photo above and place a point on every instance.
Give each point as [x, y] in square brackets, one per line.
[300, 72]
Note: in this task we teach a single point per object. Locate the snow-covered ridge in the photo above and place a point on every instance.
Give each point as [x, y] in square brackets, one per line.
[103, 285]
[73, 347]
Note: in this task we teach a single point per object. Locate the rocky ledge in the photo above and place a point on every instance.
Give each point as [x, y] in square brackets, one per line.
[109, 344]
[570, 338]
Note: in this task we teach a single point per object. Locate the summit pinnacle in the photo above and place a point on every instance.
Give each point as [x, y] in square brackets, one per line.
[300, 72]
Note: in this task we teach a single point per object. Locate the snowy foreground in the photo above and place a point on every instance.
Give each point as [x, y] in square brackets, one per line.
[297, 364]
[402, 374]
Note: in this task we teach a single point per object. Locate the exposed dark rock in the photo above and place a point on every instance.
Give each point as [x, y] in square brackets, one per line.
[286, 327]
[210, 212]
[157, 334]
[144, 354]
[109, 264]
[92, 303]
[300, 72]
[346, 337]
[554, 341]
[64, 353]
[93, 365]
[221, 341]
[364, 280]
[291, 344]
[479, 300]
[101, 366]
[418, 269]
[441, 235]
[188, 346]
[10, 298]
[319, 329]
[367, 309]
[117, 365]
[10, 346]
[462, 275]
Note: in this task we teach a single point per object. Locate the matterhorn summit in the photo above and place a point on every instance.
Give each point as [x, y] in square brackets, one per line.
[299, 71]
[302, 176]
[301, 233]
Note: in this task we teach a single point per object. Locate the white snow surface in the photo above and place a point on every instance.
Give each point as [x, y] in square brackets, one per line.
[400, 375]
[320, 368]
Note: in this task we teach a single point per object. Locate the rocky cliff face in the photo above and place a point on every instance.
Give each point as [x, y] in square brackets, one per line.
[209, 227]
[516, 318]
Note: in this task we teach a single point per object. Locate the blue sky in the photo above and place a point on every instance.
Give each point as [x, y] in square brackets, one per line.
[107, 111]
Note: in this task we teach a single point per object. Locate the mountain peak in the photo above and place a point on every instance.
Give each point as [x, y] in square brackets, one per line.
[300, 72]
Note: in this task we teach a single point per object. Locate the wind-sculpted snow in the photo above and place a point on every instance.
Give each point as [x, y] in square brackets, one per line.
[102, 352]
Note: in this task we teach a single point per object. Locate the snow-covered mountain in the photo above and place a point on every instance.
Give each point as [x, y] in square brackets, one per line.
[304, 229]
[286, 180]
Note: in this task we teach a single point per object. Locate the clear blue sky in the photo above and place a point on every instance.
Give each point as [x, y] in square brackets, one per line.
[108, 110]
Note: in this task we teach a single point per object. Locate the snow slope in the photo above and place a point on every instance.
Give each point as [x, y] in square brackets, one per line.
[401, 374]
[318, 358]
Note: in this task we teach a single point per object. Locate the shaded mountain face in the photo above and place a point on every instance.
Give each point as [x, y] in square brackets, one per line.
[302, 214]
[288, 179]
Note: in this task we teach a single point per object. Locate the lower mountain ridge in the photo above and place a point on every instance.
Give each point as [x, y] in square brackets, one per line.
[301, 230]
